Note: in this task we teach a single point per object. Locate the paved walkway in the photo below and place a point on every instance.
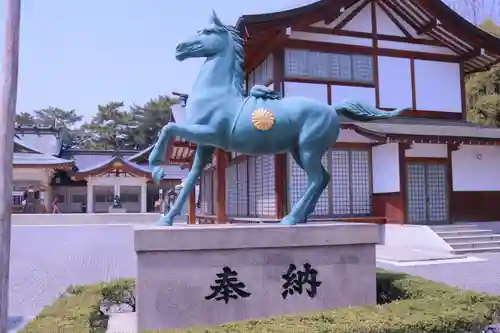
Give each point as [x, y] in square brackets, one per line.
[46, 260]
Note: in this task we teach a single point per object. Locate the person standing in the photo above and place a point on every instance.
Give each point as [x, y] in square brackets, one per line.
[55, 206]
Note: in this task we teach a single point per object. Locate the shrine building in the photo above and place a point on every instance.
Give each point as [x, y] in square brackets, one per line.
[83, 177]
[429, 166]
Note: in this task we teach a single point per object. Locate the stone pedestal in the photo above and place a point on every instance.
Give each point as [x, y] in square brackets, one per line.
[116, 210]
[212, 274]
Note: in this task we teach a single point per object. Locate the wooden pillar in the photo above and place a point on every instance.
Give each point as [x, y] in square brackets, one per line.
[402, 148]
[192, 207]
[10, 69]
[220, 183]
[280, 160]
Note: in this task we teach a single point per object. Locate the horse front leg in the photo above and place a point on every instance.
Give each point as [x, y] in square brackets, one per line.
[199, 134]
[201, 158]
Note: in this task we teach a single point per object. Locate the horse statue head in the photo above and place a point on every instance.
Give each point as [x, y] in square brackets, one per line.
[211, 42]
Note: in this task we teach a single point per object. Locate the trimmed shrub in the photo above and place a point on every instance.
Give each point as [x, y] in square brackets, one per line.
[408, 305]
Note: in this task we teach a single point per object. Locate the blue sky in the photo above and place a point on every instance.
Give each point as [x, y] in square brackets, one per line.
[76, 54]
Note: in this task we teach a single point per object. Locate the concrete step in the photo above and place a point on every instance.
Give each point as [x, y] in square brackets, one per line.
[471, 239]
[477, 250]
[475, 245]
[458, 233]
[458, 227]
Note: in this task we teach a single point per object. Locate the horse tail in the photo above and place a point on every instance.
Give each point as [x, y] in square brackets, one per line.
[363, 112]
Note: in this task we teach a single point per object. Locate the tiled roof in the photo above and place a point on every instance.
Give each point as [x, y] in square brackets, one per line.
[173, 172]
[38, 159]
[47, 143]
[431, 127]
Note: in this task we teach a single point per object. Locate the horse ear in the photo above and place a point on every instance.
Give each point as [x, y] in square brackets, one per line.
[214, 19]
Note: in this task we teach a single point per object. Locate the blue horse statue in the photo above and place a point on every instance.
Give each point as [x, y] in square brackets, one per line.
[219, 115]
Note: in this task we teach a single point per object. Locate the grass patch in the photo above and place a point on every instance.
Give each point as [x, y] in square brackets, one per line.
[78, 310]
[407, 304]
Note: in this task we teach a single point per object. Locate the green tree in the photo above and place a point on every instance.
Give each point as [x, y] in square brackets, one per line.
[111, 126]
[25, 119]
[483, 89]
[58, 117]
[150, 118]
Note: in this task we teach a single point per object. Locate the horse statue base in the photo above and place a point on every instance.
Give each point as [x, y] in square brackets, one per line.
[172, 269]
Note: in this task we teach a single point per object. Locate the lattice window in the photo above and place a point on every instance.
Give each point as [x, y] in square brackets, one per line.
[416, 193]
[341, 187]
[207, 192]
[436, 191]
[268, 200]
[349, 191]
[331, 66]
[242, 171]
[232, 190]
[252, 186]
[360, 183]
[263, 74]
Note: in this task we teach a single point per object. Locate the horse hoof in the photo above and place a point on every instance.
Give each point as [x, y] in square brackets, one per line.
[163, 222]
[288, 221]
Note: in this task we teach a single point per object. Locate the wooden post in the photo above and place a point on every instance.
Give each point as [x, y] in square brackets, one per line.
[280, 160]
[192, 207]
[220, 178]
[8, 111]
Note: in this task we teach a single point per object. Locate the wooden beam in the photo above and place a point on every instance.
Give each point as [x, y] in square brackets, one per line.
[184, 144]
[394, 20]
[10, 72]
[374, 54]
[275, 40]
[353, 14]
[192, 207]
[428, 27]
[220, 178]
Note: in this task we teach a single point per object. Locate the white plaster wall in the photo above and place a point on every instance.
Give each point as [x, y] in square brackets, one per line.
[385, 168]
[385, 44]
[403, 23]
[315, 37]
[427, 150]
[395, 88]
[362, 22]
[437, 86]
[362, 94]
[347, 135]
[111, 181]
[41, 175]
[312, 90]
[385, 26]
[476, 168]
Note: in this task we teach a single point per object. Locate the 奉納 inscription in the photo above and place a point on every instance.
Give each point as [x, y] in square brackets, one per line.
[227, 287]
[298, 280]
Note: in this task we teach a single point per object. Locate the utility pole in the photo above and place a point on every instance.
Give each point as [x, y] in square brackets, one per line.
[7, 116]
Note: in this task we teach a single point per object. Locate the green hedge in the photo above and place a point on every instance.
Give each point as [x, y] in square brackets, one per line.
[427, 307]
[78, 309]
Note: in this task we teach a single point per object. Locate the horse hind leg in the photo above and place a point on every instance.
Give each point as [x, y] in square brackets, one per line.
[314, 201]
[310, 159]
[326, 179]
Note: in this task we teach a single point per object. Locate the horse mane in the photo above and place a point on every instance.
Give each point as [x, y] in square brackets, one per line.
[239, 53]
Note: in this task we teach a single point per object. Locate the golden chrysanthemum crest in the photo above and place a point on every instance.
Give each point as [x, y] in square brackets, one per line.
[263, 119]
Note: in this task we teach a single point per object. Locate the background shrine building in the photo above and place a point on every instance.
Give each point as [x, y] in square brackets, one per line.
[92, 176]
[429, 167]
